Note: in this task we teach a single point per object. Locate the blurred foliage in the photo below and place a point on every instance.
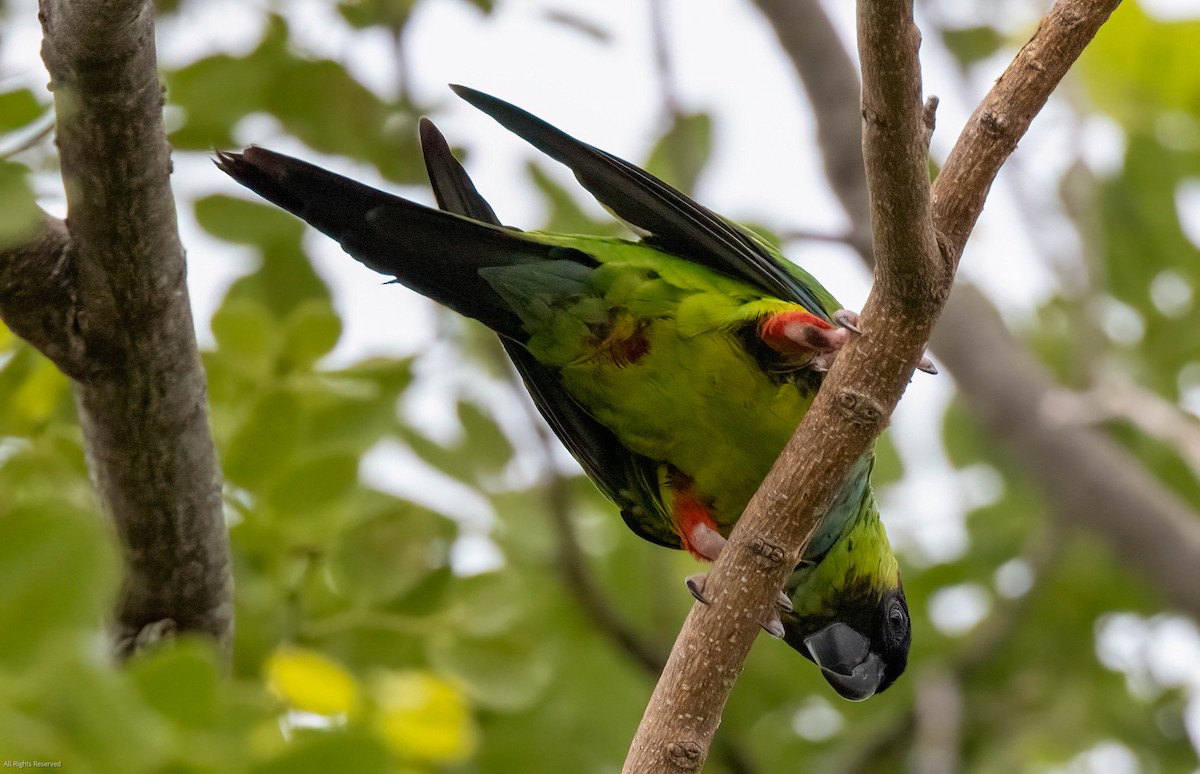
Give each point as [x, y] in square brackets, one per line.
[360, 648]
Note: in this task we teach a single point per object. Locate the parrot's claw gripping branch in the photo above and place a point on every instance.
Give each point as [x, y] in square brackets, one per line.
[849, 320]
[772, 624]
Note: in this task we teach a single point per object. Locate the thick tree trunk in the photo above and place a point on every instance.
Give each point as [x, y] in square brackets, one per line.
[104, 297]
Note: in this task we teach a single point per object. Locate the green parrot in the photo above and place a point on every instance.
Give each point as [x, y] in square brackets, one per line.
[674, 368]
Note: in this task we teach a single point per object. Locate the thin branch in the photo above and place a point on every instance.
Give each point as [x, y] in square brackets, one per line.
[804, 235]
[1115, 396]
[663, 65]
[573, 567]
[992, 132]
[846, 416]
[862, 388]
[830, 79]
[114, 316]
[1089, 479]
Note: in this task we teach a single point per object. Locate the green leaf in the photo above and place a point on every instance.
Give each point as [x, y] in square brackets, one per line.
[313, 330]
[247, 222]
[378, 560]
[39, 599]
[245, 333]
[566, 215]
[19, 108]
[969, 45]
[267, 442]
[180, 682]
[504, 673]
[323, 752]
[1139, 68]
[681, 154]
[20, 217]
[216, 92]
[313, 484]
[392, 14]
[485, 443]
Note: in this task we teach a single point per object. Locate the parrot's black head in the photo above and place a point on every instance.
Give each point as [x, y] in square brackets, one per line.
[862, 647]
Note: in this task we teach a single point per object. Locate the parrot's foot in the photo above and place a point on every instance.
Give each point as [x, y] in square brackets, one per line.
[803, 336]
[772, 624]
[695, 584]
[849, 320]
[705, 542]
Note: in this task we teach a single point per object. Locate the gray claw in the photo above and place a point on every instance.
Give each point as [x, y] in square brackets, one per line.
[783, 602]
[773, 626]
[695, 584]
[927, 365]
[847, 319]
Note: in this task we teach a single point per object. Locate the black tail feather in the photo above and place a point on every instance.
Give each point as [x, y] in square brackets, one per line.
[454, 190]
[438, 254]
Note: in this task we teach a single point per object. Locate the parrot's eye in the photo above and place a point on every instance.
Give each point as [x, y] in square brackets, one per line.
[896, 616]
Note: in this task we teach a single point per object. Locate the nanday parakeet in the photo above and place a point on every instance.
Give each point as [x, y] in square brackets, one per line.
[674, 368]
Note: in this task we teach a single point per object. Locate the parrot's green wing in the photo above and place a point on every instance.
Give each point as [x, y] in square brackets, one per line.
[626, 478]
[675, 223]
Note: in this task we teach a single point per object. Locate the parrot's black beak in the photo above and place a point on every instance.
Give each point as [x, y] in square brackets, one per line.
[846, 661]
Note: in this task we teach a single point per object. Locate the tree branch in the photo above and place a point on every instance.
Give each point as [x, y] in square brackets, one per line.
[862, 388]
[104, 298]
[847, 415]
[830, 78]
[993, 371]
[992, 132]
[1089, 479]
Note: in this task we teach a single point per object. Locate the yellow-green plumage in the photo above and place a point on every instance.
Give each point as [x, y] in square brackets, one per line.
[695, 399]
[671, 367]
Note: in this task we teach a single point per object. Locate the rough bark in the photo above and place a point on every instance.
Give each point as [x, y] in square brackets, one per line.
[912, 282]
[104, 297]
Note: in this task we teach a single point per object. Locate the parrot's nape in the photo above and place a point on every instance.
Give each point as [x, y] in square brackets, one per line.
[674, 368]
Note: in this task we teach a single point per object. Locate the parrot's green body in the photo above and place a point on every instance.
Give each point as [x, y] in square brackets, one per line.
[674, 368]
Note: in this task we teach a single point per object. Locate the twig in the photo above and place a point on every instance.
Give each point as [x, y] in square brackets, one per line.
[992, 132]
[803, 235]
[572, 564]
[1116, 396]
[121, 325]
[662, 58]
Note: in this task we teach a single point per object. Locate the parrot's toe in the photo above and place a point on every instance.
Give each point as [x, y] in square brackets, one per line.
[773, 625]
[847, 319]
[705, 542]
[927, 365]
